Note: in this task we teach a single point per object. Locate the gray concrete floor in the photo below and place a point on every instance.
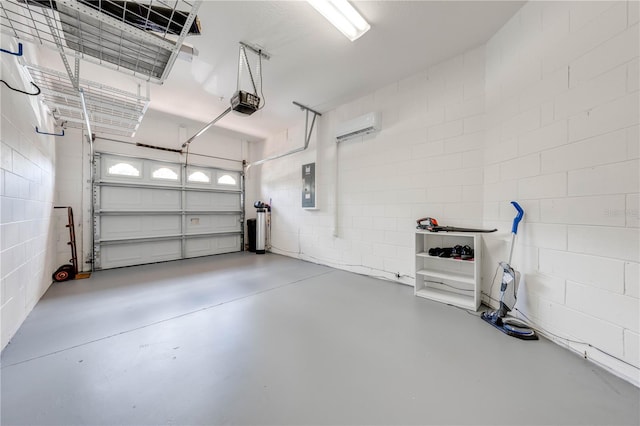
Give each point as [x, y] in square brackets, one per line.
[249, 339]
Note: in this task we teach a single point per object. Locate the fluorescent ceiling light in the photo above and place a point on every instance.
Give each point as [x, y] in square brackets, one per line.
[343, 16]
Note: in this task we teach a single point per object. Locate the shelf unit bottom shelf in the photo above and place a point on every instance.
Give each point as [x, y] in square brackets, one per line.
[446, 276]
[447, 297]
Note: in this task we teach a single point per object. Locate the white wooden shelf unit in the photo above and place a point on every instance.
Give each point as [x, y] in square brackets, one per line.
[447, 280]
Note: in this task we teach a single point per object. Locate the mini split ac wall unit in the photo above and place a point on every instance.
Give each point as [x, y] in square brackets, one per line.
[358, 126]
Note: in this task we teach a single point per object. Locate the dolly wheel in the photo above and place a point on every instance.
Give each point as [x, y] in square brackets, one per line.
[64, 273]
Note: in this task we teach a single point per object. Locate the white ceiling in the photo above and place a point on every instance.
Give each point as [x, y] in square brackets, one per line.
[311, 61]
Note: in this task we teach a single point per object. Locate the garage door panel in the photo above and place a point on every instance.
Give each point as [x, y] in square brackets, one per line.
[165, 199]
[115, 198]
[148, 211]
[209, 223]
[139, 226]
[112, 198]
[205, 246]
[128, 254]
[217, 201]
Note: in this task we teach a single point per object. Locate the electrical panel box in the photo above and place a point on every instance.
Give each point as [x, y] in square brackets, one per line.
[309, 186]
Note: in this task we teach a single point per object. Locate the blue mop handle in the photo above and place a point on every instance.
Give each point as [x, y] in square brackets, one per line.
[518, 218]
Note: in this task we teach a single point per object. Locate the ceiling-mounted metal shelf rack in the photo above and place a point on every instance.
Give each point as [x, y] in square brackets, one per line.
[142, 39]
[111, 111]
[139, 38]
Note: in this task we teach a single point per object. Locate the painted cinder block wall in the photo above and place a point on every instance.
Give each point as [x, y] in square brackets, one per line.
[546, 113]
[562, 138]
[27, 175]
[371, 190]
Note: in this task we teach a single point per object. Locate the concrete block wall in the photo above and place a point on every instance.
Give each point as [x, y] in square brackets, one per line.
[279, 182]
[562, 138]
[426, 161]
[70, 189]
[27, 175]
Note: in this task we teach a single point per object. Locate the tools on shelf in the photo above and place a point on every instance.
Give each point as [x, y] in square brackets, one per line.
[431, 224]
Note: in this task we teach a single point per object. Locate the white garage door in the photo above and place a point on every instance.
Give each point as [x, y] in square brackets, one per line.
[149, 211]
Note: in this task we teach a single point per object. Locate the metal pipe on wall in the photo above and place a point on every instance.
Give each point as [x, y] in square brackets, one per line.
[336, 212]
[308, 130]
[91, 170]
